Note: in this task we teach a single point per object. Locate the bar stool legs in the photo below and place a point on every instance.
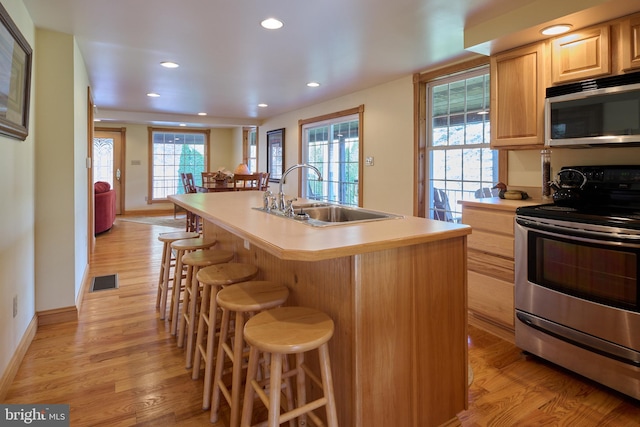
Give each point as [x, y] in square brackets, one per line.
[282, 331]
[213, 278]
[165, 266]
[240, 300]
[183, 247]
[194, 261]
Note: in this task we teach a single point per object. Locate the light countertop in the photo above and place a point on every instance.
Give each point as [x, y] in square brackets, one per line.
[290, 239]
[501, 204]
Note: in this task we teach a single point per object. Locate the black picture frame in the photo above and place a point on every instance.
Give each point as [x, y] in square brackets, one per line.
[275, 154]
[15, 79]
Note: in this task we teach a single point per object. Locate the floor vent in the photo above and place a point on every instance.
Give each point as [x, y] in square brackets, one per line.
[103, 283]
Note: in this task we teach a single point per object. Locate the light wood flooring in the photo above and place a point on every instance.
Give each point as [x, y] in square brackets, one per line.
[119, 366]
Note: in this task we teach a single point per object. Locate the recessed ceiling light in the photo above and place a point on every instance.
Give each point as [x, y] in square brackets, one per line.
[182, 124]
[169, 64]
[554, 30]
[313, 84]
[263, 105]
[271, 24]
[202, 114]
[153, 95]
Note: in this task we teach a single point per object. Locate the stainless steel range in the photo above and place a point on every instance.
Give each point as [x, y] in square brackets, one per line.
[577, 266]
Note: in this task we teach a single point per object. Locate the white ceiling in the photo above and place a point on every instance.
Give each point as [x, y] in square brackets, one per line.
[229, 64]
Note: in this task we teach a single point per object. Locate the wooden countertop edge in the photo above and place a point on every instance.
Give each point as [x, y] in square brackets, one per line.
[459, 230]
[499, 204]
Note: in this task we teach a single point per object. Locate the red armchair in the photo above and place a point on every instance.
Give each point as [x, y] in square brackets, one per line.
[105, 206]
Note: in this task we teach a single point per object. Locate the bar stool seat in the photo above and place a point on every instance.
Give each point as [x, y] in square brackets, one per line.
[187, 325]
[279, 332]
[166, 264]
[182, 247]
[212, 279]
[243, 300]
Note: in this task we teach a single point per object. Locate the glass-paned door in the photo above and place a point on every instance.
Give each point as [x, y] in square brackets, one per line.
[107, 161]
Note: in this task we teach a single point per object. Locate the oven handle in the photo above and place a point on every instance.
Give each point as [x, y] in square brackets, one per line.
[588, 236]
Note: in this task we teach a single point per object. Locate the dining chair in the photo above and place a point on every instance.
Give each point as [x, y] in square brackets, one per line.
[193, 220]
[246, 182]
[263, 184]
[209, 179]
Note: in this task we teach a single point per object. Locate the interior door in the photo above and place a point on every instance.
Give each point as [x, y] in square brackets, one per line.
[108, 161]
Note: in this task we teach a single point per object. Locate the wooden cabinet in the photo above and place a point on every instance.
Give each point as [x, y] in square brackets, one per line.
[518, 83]
[490, 267]
[630, 43]
[581, 55]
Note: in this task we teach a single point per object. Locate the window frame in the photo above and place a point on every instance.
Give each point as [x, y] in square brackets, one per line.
[454, 189]
[330, 118]
[151, 131]
[247, 133]
[420, 117]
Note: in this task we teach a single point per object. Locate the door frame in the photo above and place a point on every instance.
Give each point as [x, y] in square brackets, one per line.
[121, 133]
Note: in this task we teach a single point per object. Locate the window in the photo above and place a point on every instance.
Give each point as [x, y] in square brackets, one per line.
[250, 149]
[461, 164]
[333, 145]
[174, 152]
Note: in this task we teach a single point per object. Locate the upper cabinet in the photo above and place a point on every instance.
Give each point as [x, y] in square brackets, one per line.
[518, 86]
[581, 55]
[630, 43]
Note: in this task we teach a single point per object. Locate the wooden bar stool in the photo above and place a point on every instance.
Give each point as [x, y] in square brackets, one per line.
[212, 279]
[280, 332]
[182, 247]
[194, 262]
[166, 264]
[242, 299]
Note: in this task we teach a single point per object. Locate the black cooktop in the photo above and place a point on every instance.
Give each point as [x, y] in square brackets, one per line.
[610, 197]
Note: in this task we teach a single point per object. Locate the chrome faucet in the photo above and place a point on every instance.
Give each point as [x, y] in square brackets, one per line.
[281, 201]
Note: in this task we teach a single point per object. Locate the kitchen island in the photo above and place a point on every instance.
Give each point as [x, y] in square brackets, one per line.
[396, 290]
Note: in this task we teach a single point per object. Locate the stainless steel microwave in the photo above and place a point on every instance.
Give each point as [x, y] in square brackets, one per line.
[594, 112]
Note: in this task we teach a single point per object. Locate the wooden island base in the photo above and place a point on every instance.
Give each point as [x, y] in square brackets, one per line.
[398, 353]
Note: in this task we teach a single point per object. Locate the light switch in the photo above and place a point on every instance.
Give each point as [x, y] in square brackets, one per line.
[368, 161]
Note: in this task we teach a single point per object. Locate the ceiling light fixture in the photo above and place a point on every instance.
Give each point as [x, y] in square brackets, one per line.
[169, 64]
[263, 105]
[554, 30]
[202, 114]
[153, 95]
[271, 24]
[313, 84]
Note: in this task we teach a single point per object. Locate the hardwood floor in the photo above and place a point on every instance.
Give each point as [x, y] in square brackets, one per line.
[119, 366]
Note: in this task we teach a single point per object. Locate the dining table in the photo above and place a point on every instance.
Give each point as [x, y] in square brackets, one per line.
[215, 187]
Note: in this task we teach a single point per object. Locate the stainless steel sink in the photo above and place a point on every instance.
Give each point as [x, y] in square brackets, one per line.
[326, 214]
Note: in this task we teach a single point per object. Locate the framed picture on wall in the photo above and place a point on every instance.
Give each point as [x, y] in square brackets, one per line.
[15, 79]
[275, 154]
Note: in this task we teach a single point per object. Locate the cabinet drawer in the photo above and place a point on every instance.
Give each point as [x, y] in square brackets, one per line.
[495, 221]
[491, 242]
[492, 298]
[491, 265]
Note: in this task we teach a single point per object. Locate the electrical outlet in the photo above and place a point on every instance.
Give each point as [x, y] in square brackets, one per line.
[15, 305]
[247, 245]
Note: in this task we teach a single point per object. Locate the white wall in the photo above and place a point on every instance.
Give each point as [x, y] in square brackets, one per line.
[17, 210]
[55, 172]
[387, 135]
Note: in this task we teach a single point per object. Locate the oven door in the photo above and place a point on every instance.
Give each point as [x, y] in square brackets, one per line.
[579, 285]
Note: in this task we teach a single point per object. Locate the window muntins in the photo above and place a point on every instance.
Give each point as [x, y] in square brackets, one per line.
[252, 150]
[461, 164]
[333, 146]
[173, 153]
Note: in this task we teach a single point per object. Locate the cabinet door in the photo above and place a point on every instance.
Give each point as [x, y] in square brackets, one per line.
[630, 43]
[581, 55]
[517, 97]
